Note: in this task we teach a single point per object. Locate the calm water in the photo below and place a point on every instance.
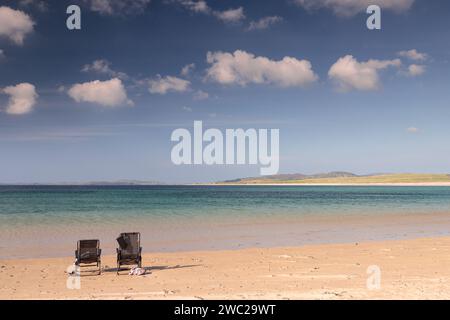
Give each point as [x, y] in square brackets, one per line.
[47, 220]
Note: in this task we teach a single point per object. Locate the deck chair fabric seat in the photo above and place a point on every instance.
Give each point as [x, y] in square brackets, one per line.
[123, 243]
[88, 252]
[130, 250]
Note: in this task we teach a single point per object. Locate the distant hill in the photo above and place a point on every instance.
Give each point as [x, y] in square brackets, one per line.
[343, 178]
[295, 176]
[122, 183]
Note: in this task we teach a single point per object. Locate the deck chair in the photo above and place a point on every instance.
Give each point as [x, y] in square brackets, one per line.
[89, 253]
[130, 250]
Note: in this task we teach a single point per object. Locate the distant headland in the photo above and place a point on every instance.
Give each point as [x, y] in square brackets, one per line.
[344, 178]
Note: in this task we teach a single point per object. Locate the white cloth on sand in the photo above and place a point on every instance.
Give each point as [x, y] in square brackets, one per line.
[135, 271]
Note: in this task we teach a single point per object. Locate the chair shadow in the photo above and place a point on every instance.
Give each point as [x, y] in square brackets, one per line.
[172, 267]
[152, 268]
[89, 273]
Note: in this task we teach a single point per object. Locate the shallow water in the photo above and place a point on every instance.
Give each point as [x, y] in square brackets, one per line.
[42, 221]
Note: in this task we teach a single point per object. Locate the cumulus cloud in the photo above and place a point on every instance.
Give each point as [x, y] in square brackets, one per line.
[264, 23]
[352, 7]
[115, 7]
[412, 130]
[349, 74]
[187, 69]
[22, 98]
[167, 84]
[231, 15]
[15, 24]
[415, 70]
[110, 93]
[244, 68]
[103, 66]
[200, 6]
[413, 54]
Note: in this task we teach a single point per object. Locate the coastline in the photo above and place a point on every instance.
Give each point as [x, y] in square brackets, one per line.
[415, 184]
[217, 233]
[410, 269]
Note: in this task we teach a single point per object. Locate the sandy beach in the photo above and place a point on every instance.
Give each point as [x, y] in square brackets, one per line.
[410, 269]
[403, 184]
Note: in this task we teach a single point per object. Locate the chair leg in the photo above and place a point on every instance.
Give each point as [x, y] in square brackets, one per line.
[99, 267]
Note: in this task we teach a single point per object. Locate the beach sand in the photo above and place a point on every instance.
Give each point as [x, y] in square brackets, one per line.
[410, 269]
[373, 184]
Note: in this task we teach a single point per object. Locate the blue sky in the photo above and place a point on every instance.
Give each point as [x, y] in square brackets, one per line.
[349, 99]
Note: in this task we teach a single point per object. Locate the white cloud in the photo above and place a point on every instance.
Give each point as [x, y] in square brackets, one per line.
[352, 7]
[196, 6]
[264, 23]
[15, 24]
[104, 67]
[200, 6]
[349, 74]
[412, 130]
[243, 68]
[110, 93]
[22, 98]
[201, 95]
[187, 69]
[413, 54]
[187, 109]
[168, 84]
[231, 15]
[114, 7]
[415, 70]
[101, 66]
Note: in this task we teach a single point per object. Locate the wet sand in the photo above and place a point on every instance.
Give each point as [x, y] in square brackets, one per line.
[209, 234]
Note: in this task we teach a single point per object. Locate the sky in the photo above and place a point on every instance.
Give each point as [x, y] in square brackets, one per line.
[101, 103]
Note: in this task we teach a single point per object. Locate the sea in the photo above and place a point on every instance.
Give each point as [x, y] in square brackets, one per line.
[47, 221]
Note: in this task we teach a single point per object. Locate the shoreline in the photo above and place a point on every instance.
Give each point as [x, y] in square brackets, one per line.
[209, 234]
[410, 269]
[418, 184]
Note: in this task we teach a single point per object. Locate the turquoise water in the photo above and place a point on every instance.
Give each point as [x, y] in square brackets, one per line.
[27, 204]
[207, 217]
